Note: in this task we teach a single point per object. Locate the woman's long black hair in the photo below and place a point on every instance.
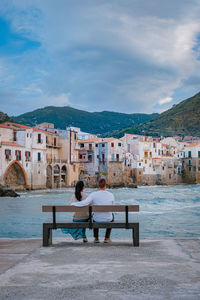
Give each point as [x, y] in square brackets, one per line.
[78, 189]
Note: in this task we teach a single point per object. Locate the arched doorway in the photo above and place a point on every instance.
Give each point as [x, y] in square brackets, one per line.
[63, 176]
[49, 177]
[57, 176]
[15, 176]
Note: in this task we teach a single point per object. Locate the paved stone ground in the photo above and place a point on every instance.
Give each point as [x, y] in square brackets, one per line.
[158, 269]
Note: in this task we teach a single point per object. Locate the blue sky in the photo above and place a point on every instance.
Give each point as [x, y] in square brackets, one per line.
[121, 55]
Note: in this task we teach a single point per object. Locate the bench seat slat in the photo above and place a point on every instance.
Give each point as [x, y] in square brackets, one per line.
[95, 208]
[69, 224]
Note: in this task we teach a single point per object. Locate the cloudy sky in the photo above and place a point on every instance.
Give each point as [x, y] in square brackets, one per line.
[119, 55]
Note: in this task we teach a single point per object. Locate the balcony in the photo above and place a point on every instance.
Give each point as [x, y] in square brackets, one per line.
[56, 161]
[53, 145]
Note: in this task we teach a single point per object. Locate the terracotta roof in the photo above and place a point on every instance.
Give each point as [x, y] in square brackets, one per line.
[5, 126]
[11, 144]
[90, 140]
[193, 145]
[40, 130]
[107, 140]
[11, 124]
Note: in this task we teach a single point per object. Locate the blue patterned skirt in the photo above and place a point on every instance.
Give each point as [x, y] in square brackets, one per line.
[76, 233]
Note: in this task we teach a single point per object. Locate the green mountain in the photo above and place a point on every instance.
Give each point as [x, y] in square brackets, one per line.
[4, 117]
[182, 119]
[96, 122]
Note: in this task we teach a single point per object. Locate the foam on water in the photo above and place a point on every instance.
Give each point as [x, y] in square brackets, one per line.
[165, 211]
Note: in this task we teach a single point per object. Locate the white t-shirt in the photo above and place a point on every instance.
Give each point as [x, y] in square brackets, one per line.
[101, 197]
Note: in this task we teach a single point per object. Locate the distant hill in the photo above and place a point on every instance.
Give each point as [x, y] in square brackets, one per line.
[96, 122]
[4, 117]
[182, 119]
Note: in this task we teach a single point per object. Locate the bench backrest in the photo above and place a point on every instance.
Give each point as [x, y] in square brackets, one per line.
[94, 208]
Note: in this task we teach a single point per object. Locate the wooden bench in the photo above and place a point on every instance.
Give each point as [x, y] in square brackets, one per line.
[48, 227]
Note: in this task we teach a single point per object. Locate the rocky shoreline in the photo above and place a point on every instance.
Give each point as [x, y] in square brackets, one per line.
[7, 192]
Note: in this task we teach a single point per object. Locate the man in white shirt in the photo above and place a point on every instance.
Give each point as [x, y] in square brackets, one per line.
[101, 197]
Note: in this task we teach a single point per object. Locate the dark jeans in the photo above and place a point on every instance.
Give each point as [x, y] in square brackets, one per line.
[107, 234]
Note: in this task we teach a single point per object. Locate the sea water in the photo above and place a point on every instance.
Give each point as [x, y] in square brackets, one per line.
[165, 211]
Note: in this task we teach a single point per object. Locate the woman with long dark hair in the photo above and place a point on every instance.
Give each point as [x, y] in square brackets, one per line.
[79, 195]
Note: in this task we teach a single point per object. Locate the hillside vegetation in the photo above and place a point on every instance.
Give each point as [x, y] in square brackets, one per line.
[4, 117]
[96, 122]
[182, 119]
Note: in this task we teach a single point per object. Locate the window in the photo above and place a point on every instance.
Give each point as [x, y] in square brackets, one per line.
[75, 136]
[179, 170]
[189, 154]
[39, 156]
[129, 148]
[170, 176]
[112, 145]
[39, 138]
[96, 145]
[117, 157]
[8, 154]
[90, 146]
[90, 158]
[54, 142]
[154, 145]
[150, 154]
[18, 154]
[103, 145]
[46, 140]
[139, 164]
[80, 156]
[119, 144]
[14, 136]
[145, 154]
[189, 162]
[112, 157]
[190, 168]
[27, 135]
[103, 158]
[145, 162]
[198, 154]
[158, 152]
[28, 155]
[82, 145]
[97, 156]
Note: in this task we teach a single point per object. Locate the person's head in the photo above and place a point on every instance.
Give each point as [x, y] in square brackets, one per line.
[102, 184]
[78, 189]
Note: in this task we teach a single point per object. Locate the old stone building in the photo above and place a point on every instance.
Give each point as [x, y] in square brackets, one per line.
[36, 158]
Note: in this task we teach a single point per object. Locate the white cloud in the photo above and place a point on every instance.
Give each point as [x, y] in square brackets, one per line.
[116, 55]
[59, 100]
[165, 100]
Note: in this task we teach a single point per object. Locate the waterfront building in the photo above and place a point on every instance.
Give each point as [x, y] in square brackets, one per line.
[111, 160]
[36, 158]
[23, 156]
[191, 163]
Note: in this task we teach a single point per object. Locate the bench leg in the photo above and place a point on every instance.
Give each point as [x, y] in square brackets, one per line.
[135, 233]
[47, 236]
